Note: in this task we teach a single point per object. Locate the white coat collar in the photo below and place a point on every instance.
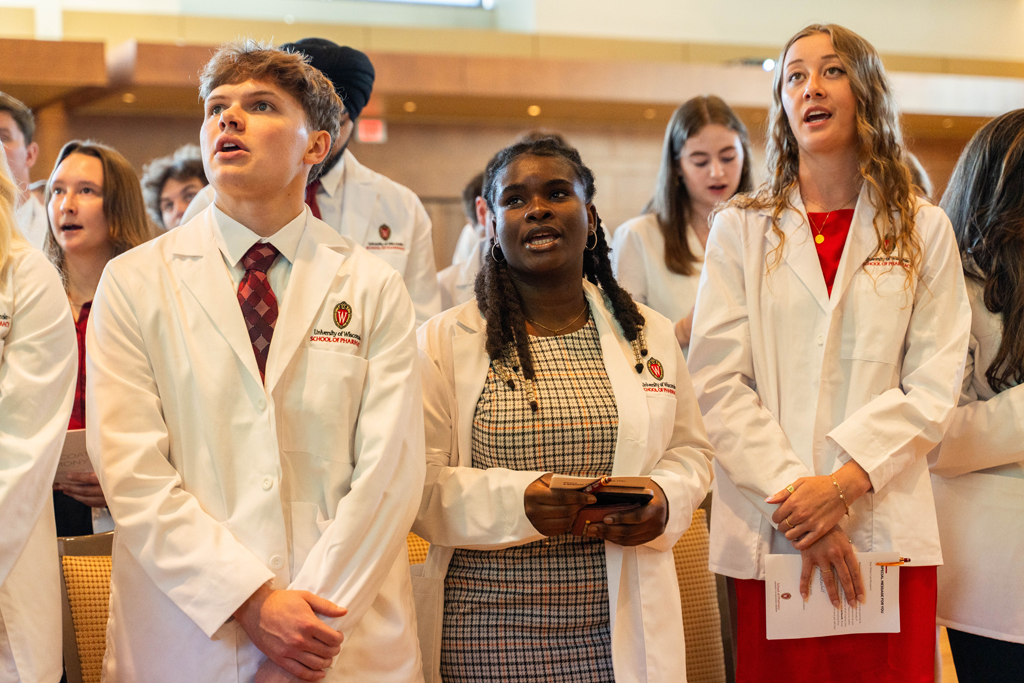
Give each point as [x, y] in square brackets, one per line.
[318, 256]
[801, 255]
[359, 199]
[331, 182]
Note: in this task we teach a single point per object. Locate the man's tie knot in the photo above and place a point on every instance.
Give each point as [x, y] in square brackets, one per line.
[260, 257]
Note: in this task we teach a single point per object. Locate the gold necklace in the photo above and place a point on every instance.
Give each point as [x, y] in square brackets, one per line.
[537, 324]
[818, 237]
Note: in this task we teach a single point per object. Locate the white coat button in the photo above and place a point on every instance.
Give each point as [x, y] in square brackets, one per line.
[276, 562]
[268, 483]
[261, 404]
[821, 339]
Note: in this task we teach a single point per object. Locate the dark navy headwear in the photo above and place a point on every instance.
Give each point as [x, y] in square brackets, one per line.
[348, 69]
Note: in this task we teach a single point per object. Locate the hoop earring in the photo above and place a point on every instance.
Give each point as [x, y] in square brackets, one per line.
[592, 233]
[499, 253]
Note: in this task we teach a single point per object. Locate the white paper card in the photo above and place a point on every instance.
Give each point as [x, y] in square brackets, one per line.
[74, 457]
[790, 617]
[564, 481]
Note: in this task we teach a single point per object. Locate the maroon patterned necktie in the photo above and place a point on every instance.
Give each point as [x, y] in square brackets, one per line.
[311, 198]
[259, 305]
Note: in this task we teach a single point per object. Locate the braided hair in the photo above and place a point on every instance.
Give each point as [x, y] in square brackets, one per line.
[496, 296]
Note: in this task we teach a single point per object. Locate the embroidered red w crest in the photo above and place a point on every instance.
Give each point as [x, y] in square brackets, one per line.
[656, 368]
[342, 315]
[385, 232]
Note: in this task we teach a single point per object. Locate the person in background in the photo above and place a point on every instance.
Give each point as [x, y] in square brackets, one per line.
[456, 282]
[829, 338]
[255, 415]
[386, 218]
[545, 373]
[658, 256]
[96, 212]
[919, 177]
[473, 231]
[978, 470]
[170, 183]
[17, 126]
[37, 387]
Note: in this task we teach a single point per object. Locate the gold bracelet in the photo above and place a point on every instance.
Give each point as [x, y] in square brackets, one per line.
[841, 496]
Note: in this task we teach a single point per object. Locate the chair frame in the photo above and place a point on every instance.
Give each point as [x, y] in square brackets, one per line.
[77, 546]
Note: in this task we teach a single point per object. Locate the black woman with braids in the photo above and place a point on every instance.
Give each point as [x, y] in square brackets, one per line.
[552, 370]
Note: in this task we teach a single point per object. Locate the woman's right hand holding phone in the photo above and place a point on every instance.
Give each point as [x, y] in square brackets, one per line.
[553, 511]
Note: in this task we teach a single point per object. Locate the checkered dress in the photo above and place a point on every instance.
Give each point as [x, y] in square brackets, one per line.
[537, 612]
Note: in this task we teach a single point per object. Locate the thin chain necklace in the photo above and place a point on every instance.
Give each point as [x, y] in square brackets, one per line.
[818, 237]
[564, 327]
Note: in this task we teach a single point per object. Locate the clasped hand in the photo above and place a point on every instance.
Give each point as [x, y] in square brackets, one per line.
[284, 625]
[810, 507]
[553, 512]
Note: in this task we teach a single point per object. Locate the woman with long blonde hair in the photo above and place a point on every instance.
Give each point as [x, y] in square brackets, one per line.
[96, 211]
[828, 345]
[37, 382]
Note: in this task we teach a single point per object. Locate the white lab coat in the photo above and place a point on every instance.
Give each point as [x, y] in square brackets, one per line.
[457, 282]
[660, 433]
[978, 477]
[38, 370]
[32, 221]
[793, 383]
[368, 203]
[638, 257]
[219, 484]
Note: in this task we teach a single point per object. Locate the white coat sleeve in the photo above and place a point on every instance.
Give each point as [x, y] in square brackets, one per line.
[684, 473]
[189, 556]
[37, 388]
[420, 271]
[983, 433]
[353, 557]
[750, 446]
[629, 261]
[885, 436]
[463, 507]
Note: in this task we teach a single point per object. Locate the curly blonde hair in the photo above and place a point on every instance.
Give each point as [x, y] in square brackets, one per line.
[882, 156]
[10, 236]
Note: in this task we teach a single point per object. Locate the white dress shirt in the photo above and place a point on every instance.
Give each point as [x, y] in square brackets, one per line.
[32, 221]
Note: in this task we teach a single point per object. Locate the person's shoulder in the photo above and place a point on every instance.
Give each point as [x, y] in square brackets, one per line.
[383, 184]
[461, 319]
[641, 224]
[31, 266]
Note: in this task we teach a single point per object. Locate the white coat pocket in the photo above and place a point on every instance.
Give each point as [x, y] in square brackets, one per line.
[321, 405]
[876, 313]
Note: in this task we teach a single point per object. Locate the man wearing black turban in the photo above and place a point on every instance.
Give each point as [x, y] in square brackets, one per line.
[386, 218]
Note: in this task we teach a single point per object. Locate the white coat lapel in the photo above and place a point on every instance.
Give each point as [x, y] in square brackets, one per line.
[359, 199]
[619, 362]
[860, 245]
[799, 252]
[316, 265]
[471, 362]
[208, 280]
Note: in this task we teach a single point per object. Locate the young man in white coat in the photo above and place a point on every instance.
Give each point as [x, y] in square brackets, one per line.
[386, 218]
[254, 415]
[17, 126]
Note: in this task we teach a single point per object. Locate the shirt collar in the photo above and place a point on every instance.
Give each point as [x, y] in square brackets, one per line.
[234, 239]
[331, 181]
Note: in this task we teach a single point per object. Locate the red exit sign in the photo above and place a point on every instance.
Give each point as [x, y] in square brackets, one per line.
[374, 131]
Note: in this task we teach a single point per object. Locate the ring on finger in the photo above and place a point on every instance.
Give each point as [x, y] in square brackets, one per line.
[790, 488]
[791, 525]
[823, 570]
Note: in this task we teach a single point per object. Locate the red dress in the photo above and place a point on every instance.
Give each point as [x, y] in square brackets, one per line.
[904, 657]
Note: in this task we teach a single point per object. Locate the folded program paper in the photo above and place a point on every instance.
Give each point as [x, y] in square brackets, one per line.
[790, 617]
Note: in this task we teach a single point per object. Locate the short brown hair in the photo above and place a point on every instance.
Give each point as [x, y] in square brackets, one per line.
[122, 200]
[474, 188]
[249, 60]
[21, 114]
[185, 164]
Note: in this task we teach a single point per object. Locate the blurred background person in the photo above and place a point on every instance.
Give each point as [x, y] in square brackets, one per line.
[37, 385]
[17, 126]
[979, 490]
[170, 183]
[96, 211]
[658, 256]
[473, 232]
[372, 210]
[456, 282]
